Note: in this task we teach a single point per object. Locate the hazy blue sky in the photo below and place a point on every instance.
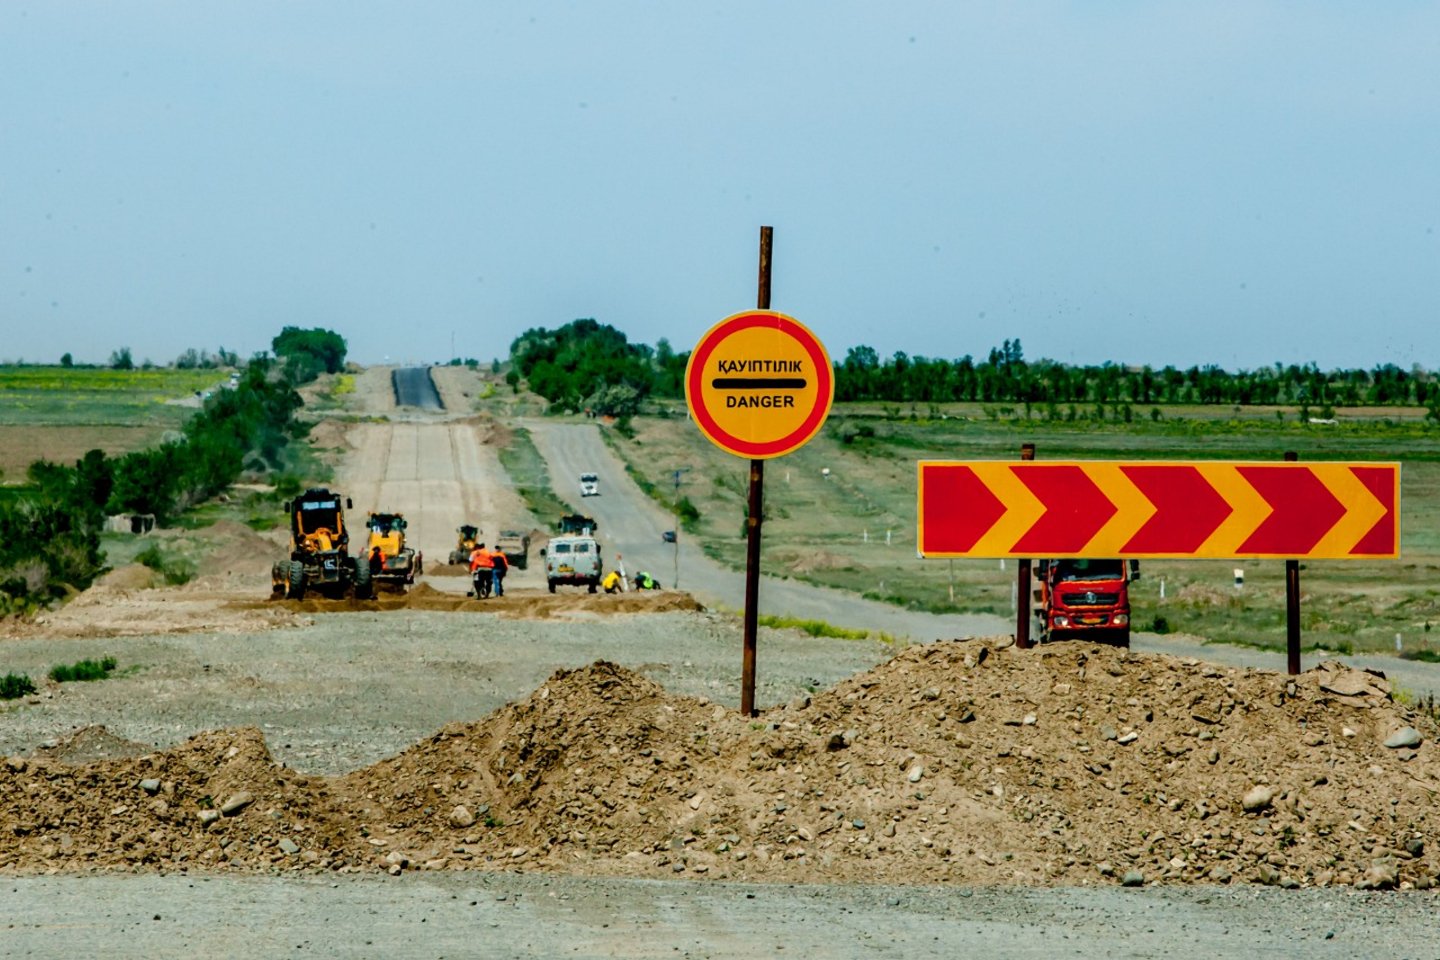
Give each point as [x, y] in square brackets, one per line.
[1193, 182]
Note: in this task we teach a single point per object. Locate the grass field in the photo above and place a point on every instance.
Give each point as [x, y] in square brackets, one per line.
[84, 409]
[854, 527]
[77, 396]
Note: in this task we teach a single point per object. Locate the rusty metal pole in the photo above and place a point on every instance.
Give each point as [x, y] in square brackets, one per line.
[1292, 603]
[755, 512]
[1022, 585]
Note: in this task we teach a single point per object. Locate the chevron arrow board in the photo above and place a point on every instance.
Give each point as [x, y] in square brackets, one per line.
[1160, 509]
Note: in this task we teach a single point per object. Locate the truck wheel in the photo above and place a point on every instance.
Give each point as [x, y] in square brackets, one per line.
[1122, 638]
[295, 583]
[593, 584]
[552, 585]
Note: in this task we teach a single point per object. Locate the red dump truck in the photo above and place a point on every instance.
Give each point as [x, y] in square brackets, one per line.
[1084, 599]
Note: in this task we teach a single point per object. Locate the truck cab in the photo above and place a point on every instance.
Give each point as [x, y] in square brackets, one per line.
[1084, 599]
[589, 485]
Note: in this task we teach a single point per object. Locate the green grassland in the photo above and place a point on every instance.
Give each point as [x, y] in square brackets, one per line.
[854, 526]
[86, 396]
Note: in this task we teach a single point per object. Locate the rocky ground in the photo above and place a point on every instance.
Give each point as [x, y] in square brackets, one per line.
[965, 762]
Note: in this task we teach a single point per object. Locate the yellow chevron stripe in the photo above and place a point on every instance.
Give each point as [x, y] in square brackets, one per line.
[1022, 509]
[1249, 509]
[1363, 510]
[1132, 508]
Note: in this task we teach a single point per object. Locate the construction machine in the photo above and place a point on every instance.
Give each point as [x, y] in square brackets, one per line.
[319, 550]
[1084, 599]
[577, 523]
[515, 544]
[397, 565]
[465, 545]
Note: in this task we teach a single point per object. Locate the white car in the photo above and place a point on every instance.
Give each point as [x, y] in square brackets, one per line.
[589, 485]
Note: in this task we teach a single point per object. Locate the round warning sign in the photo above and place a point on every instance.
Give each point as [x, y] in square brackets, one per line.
[759, 384]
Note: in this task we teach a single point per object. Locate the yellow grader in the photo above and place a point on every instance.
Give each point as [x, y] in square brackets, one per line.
[465, 545]
[390, 563]
[319, 550]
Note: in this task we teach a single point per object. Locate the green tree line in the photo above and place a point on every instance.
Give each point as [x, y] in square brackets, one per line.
[589, 365]
[50, 533]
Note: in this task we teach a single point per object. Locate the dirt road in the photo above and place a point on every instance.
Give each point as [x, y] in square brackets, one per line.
[526, 916]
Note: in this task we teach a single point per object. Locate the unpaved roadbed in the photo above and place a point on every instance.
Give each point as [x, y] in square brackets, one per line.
[543, 917]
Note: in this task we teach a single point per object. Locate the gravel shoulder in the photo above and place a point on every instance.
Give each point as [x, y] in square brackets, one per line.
[526, 916]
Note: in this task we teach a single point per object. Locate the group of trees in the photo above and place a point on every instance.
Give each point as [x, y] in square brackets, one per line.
[588, 365]
[1006, 377]
[50, 535]
[308, 353]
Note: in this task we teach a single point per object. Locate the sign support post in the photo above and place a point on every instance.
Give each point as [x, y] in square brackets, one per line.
[1023, 600]
[755, 512]
[758, 385]
[1292, 603]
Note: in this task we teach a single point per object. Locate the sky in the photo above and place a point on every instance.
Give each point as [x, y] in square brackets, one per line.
[1237, 183]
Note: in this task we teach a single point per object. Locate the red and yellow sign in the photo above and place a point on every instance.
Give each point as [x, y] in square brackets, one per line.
[1202, 509]
[759, 384]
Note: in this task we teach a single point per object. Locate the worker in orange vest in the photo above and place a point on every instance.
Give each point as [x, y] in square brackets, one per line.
[482, 570]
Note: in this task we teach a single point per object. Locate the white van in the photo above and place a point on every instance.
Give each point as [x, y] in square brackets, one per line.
[573, 560]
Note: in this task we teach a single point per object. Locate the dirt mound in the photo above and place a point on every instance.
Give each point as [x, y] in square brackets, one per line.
[91, 743]
[515, 605]
[813, 560]
[235, 549]
[132, 576]
[446, 570]
[967, 761]
[217, 800]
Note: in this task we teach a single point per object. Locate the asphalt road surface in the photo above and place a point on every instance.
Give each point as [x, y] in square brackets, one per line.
[414, 388]
[631, 525]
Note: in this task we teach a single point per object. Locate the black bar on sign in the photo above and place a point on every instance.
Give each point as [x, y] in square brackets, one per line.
[758, 383]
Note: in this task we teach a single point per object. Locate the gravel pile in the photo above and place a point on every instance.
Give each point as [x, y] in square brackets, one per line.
[967, 762]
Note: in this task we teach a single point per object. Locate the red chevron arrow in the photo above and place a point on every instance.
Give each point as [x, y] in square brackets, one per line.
[958, 508]
[1380, 481]
[1187, 509]
[1303, 508]
[1075, 509]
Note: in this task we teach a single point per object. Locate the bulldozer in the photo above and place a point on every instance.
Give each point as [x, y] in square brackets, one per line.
[465, 544]
[397, 564]
[319, 550]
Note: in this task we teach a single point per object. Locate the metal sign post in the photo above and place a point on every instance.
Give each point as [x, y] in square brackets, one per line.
[758, 385]
[1023, 600]
[755, 512]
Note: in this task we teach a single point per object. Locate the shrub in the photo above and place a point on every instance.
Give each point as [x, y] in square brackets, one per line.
[1160, 625]
[174, 571]
[83, 670]
[15, 685]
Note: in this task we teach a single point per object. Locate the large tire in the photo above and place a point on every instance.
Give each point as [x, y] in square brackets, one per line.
[593, 585]
[552, 585]
[364, 586]
[457, 558]
[295, 583]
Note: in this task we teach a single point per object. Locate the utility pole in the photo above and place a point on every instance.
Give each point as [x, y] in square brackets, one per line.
[676, 531]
